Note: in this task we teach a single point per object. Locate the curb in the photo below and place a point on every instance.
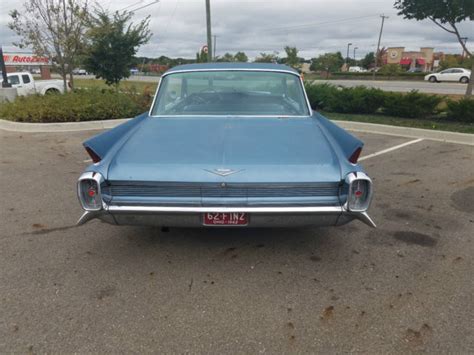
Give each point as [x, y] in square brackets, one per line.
[441, 136]
[59, 126]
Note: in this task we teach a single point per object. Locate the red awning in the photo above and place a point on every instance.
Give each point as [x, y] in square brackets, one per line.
[405, 61]
[421, 61]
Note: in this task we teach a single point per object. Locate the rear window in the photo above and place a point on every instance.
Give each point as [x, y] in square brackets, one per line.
[231, 92]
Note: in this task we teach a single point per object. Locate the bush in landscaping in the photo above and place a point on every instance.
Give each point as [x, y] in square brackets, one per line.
[358, 99]
[344, 100]
[412, 104]
[391, 70]
[80, 105]
[462, 110]
[319, 95]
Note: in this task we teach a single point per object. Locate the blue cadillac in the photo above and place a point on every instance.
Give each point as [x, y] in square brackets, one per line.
[231, 144]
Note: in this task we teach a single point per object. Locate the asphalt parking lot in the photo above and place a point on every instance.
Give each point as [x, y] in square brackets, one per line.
[406, 286]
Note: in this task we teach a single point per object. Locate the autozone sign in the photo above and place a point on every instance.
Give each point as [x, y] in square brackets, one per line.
[25, 59]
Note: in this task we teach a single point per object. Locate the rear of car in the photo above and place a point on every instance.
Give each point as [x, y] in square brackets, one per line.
[226, 146]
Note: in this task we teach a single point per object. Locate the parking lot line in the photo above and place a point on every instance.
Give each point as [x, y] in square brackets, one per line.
[391, 149]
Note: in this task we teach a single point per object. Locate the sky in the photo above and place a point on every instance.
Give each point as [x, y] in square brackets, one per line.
[313, 26]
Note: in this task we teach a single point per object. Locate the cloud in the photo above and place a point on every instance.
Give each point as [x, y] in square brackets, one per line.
[313, 26]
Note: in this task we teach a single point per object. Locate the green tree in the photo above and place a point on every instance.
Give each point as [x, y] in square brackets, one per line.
[446, 14]
[53, 28]
[368, 61]
[241, 57]
[201, 57]
[292, 57]
[113, 40]
[327, 62]
[455, 60]
[226, 58]
[266, 58]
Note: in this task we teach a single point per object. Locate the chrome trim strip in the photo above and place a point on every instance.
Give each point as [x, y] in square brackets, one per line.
[310, 110]
[230, 69]
[175, 209]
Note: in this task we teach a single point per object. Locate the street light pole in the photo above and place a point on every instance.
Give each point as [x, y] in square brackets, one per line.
[355, 52]
[347, 56]
[209, 34]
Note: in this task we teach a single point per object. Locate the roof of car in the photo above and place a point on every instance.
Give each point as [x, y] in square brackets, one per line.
[232, 66]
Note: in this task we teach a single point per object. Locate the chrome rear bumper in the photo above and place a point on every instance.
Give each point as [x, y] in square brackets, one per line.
[186, 216]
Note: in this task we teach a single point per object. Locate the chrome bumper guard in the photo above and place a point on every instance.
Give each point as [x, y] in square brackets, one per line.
[259, 216]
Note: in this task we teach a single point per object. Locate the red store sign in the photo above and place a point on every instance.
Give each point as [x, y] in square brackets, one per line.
[25, 59]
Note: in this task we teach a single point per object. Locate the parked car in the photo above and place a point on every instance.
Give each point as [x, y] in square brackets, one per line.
[79, 72]
[134, 71]
[453, 74]
[415, 70]
[356, 69]
[27, 85]
[226, 144]
[35, 71]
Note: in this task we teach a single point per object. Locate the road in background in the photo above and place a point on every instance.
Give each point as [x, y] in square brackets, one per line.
[387, 85]
[404, 86]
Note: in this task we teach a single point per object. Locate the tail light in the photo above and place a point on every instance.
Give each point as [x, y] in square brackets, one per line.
[95, 158]
[355, 156]
[88, 191]
[360, 192]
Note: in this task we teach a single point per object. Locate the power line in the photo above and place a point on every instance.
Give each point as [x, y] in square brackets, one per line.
[142, 7]
[314, 24]
[134, 4]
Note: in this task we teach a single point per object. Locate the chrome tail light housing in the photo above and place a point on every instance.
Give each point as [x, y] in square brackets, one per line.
[360, 191]
[88, 191]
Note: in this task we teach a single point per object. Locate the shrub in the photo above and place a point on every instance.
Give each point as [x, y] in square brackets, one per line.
[356, 100]
[413, 104]
[80, 105]
[319, 94]
[462, 110]
[391, 70]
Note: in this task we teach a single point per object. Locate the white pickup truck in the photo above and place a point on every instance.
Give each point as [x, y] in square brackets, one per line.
[26, 84]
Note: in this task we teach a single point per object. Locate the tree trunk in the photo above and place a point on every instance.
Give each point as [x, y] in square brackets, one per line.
[64, 75]
[71, 80]
[471, 80]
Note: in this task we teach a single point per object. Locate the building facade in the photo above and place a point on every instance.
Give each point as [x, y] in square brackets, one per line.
[426, 59]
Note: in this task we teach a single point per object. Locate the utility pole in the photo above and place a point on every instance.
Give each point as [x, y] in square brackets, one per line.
[5, 83]
[209, 34]
[378, 45]
[214, 46]
[347, 56]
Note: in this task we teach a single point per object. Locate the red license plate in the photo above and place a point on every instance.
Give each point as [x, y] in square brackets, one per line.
[225, 219]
